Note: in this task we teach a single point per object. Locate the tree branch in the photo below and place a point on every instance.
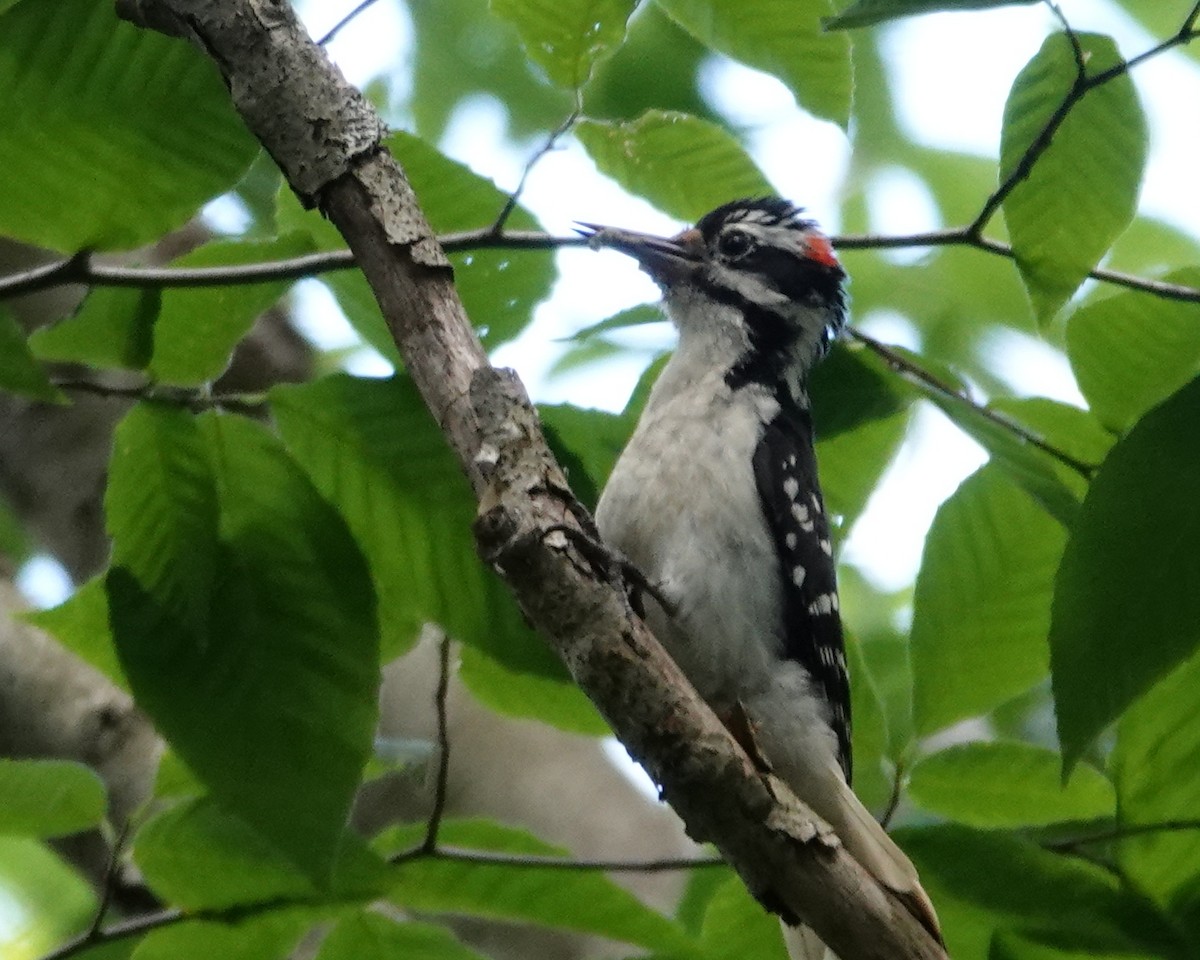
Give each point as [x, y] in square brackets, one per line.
[1080, 86]
[278, 78]
[344, 22]
[1120, 832]
[197, 400]
[80, 269]
[551, 141]
[442, 782]
[141, 925]
[915, 372]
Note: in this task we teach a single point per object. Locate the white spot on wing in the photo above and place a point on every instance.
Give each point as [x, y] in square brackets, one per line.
[798, 575]
[822, 606]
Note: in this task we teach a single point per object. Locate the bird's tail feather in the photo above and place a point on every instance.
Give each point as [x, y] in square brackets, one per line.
[803, 944]
[869, 844]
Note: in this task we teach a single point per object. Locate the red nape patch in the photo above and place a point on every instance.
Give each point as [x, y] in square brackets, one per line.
[821, 250]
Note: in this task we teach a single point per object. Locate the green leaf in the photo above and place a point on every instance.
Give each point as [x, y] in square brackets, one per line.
[367, 935]
[161, 510]
[19, 371]
[198, 328]
[852, 462]
[586, 443]
[685, 166]
[520, 694]
[273, 935]
[1007, 784]
[52, 901]
[1082, 191]
[372, 449]
[196, 855]
[499, 288]
[584, 901]
[49, 798]
[1007, 946]
[116, 134]
[655, 68]
[866, 13]
[1133, 350]
[459, 52]
[1075, 432]
[1158, 744]
[16, 545]
[860, 418]
[1006, 881]
[736, 926]
[80, 623]
[113, 327]
[780, 37]
[1053, 485]
[199, 857]
[981, 610]
[643, 314]
[869, 731]
[566, 38]
[870, 617]
[850, 387]
[272, 702]
[702, 886]
[1127, 598]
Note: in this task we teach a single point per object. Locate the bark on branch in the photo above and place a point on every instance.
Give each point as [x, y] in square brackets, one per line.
[326, 139]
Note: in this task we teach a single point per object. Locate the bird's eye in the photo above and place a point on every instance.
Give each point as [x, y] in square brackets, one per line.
[735, 244]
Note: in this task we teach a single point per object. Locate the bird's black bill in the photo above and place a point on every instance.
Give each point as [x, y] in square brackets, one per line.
[666, 259]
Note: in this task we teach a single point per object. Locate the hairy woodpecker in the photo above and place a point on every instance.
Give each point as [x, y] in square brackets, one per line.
[716, 501]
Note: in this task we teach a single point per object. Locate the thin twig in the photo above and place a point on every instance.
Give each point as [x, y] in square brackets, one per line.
[1080, 86]
[551, 142]
[337, 27]
[110, 881]
[429, 845]
[902, 364]
[488, 858]
[894, 799]
[79, 270]
[137, 926]
[197, 400]
[1122, 832]
[123, 930]
[1024, 166]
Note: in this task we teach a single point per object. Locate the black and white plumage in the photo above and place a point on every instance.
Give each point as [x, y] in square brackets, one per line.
[716, 500]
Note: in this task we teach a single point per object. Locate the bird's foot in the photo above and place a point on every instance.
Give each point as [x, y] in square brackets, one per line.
[745, 731]
[617, 568]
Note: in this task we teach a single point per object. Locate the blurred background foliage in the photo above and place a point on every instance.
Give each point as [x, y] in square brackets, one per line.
[1024, 696]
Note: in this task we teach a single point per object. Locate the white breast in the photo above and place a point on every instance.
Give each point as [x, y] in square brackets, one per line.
[682, 504]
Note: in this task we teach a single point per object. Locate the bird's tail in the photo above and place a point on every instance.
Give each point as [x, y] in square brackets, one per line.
[865, 840]
[869, 844]
[803, 944]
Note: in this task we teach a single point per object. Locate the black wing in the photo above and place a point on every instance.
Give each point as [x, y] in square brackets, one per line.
[785, 470]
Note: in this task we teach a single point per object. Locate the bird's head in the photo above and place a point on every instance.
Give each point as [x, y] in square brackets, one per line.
[753, 276]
